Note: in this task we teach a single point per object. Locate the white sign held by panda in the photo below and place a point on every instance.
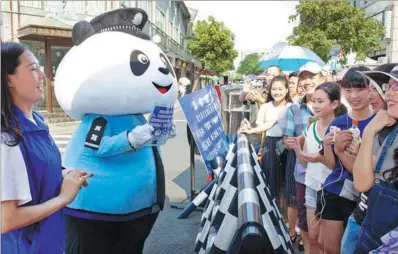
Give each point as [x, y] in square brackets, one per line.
[162, 121]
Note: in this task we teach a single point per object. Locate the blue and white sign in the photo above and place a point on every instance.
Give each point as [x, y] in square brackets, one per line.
[162, 121]
[203, 116]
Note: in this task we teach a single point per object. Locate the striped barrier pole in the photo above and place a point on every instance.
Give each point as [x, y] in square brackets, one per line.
[217, 165]
[203, 195]
[250, 221]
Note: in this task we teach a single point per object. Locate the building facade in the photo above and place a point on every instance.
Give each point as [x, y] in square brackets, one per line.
[387, 13]
[45, 27]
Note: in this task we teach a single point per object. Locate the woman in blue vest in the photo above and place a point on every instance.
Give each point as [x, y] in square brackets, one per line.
[34, 189]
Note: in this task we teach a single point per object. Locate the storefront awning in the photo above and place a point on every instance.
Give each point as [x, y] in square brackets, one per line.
[47, 28]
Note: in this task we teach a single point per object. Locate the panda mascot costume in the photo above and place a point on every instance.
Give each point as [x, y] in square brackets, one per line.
[111, 77]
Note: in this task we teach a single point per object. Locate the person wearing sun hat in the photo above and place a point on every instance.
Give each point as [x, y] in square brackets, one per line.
[378, 77]
[376, 166]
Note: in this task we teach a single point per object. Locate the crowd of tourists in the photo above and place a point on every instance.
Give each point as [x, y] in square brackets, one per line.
[328, 148]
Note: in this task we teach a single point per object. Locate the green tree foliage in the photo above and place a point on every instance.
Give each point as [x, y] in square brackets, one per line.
[249, 65]
[327, 22]
[213, 45]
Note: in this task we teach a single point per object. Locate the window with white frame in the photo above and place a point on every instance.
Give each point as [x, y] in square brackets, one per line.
[170, 29]
[143, 5]
[33, 4]
[127, 3]
[175, 31]
[80, 6]
[176, 34]
[182, 40]
[160, 19]
[95, 7]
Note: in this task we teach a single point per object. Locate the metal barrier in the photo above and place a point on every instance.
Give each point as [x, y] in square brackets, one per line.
[240, 214]
[232, 110]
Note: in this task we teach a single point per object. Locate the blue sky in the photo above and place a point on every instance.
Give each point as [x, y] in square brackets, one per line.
[257, 25]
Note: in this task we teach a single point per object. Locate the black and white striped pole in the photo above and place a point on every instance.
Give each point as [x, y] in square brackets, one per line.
[250, 221]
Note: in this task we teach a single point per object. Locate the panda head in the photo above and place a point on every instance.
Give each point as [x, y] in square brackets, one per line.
[114, 68]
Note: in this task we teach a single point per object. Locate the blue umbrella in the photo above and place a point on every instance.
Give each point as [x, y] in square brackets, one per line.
[289, 58]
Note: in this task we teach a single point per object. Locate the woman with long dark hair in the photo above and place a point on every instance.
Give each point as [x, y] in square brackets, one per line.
[34, 187]
[269, 121]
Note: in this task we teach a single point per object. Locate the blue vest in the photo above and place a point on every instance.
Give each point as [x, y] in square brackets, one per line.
[43, 163]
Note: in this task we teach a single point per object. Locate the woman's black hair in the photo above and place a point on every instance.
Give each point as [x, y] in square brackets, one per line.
[10, 53]
[282, 79]
[391, 175]
[354, 79]
[294, 74]
[334, 94]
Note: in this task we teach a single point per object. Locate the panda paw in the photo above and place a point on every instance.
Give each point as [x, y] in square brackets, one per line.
[173, 132]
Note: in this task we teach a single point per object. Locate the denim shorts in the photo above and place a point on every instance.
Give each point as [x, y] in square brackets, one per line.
[310, 198]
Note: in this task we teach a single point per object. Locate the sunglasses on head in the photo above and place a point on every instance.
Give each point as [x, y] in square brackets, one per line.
[393, 86]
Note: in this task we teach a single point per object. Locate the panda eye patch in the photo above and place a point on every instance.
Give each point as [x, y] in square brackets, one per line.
[139, 62]
[167, 64]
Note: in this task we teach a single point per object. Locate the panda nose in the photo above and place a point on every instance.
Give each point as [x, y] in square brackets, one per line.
[163, 70]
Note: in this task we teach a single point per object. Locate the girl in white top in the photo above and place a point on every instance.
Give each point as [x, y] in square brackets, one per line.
[269, 120]
[326, 107]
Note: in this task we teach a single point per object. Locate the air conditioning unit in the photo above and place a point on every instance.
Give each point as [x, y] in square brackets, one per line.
[382, 60]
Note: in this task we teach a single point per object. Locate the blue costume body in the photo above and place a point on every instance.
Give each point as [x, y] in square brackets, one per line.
[125, 180]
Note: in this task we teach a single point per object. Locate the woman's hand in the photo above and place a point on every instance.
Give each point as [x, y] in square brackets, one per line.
[292, 143]
[381, 120]
[353, 148]
[247, 86]
[343, 140]
[245, 129]
[72, 183]
[312, 157]
[67, 171]
[247, 123]
[328, 139]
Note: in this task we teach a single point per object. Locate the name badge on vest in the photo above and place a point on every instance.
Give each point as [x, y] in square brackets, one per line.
[96, 133]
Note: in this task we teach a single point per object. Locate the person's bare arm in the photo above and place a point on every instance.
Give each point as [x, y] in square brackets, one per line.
[242, 96]
[363, 169]
[364, 165]
[328, 155]
[299, 153]
[14, 217]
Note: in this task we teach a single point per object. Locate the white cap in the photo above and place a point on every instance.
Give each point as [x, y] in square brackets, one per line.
[311, 67]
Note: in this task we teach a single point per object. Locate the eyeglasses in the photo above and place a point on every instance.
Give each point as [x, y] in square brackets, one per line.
[393, 86]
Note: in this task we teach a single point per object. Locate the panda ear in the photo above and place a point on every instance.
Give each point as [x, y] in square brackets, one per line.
[81, 31]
